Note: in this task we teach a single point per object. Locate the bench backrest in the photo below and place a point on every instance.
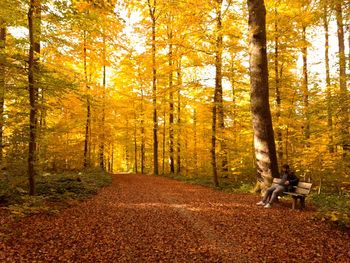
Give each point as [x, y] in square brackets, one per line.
[302, 187]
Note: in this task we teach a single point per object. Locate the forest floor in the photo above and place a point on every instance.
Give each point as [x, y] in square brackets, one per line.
[153, 219]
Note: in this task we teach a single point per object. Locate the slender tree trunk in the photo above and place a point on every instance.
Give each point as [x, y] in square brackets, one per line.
[213, 140]
[305, 89]
[34, 21]
[171, 106]
[152, 10]
[328, 81]
[195, 139]
[88, 109]
[102, 139]
[344, 117]
[218, 87]
[142, 136]
[163, 141]
[2, 84]
[278, 92]
[178, 145]
[135, 144]
[264, 143]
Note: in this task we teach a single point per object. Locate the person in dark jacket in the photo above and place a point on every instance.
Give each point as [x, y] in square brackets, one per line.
[288, 180]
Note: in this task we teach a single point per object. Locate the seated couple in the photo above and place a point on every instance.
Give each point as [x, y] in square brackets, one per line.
[288, 180]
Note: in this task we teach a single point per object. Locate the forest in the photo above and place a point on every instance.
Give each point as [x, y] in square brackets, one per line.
[150, 130]
[164, 87]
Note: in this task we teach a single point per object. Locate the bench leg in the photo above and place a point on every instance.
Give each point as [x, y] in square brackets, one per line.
[294, 202]
[302, 202]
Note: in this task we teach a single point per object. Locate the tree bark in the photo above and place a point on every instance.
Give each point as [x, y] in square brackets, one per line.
[305, 90]
[178, 145]
[88, 109]
[2, 84]
[264, 143]
[344, 117]
[171, 105]
[152, 10]
[34, 21]
[328, 80]
[218, 90]
[213, 140]
[278, 91]
[102, 138]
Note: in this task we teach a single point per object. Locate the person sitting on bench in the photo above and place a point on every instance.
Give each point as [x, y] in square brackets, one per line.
[288, 180]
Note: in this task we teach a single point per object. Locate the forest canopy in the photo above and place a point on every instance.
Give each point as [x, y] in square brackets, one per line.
[163, 86]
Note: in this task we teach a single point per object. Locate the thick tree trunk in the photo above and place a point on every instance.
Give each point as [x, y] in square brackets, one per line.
[344, 117]
[264, 143]
[34, 21]
[328, 80]
[88, 109]
[152, 10]
[2, 85]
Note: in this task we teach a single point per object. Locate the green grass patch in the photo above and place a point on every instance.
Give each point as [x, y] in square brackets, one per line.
[50, 189]
[333, 208]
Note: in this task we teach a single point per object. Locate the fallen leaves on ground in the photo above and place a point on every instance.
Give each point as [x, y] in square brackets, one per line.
[153, 219]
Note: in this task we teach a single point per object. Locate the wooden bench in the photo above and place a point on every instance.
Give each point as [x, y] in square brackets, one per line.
[301, 191]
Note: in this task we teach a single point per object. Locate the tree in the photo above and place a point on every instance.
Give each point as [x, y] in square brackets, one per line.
[2, 83]
[34, 21]
[264, 144]
[152, 5]
[344, 118]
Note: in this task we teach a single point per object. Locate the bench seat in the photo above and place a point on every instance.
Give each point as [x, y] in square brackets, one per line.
[300, 192]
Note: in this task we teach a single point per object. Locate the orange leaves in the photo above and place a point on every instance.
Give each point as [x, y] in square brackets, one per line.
[153, 219]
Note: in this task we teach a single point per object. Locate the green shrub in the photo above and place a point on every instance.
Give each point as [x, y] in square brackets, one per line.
[53, 188]
[333, 208]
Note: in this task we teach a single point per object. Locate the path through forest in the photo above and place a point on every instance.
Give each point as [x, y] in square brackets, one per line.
[154, 219]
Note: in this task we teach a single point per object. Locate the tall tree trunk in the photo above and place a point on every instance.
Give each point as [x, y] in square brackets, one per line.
[305, 89]
[142, 136]
[195, 139]
[278, 91]
[328, 80]
[178, 145]
[88, 108]
[163, 141]
[344, 117]
[135, 143]
[213, 140]
[102, 143]
[218, 87]
[34, 21]
[152, 11]
[171, 105]
[2, 84]
[264, 143]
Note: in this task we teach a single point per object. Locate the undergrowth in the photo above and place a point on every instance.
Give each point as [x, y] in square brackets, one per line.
[333, 208]
[51, 190]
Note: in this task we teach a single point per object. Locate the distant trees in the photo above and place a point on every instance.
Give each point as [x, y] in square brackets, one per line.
[154, 84]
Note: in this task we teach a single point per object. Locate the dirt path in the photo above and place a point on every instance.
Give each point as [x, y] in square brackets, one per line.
[153, 219]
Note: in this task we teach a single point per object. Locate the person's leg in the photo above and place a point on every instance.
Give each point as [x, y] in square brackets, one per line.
[277, 191]
[268, 194]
